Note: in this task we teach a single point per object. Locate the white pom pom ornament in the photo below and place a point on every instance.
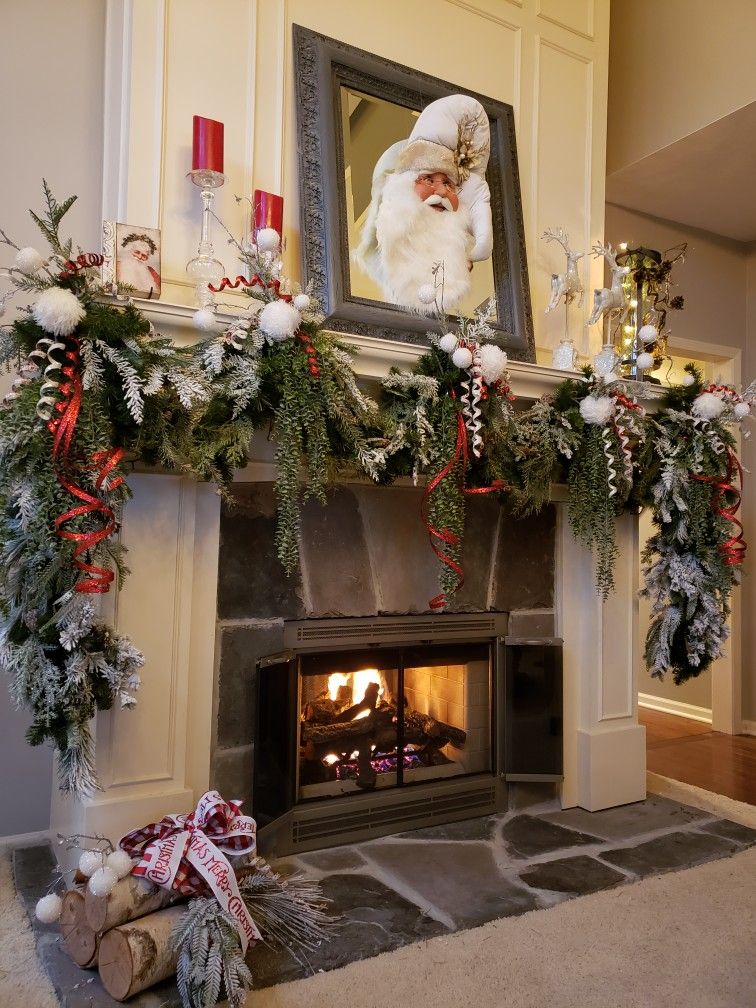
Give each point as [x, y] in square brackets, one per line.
[688, 380]
[279, 320]
[49, 909]
[648, 334]
[268, 240]
[301, 302]
[58, 311]
[610, 377]
[448, 343]
[120, 862]
[28, 260]
[493, 363]
[708, 406]
[102, 882]
[426, 294]
[741, 409]
[462, 357]
[203, 319]
[90, 861]
[597, 409]
[645, 361]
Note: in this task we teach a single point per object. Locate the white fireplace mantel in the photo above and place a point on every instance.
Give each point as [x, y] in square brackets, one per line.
[155, 758]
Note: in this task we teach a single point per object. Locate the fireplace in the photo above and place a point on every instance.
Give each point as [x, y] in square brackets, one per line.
[371, 726]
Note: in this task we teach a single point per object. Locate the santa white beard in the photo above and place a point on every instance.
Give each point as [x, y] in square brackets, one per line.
[136, 274]
[412, 238]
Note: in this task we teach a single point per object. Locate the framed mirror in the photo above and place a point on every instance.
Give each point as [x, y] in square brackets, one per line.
[353, 110]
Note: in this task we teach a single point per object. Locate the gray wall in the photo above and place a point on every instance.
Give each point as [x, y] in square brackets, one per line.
[51, 74]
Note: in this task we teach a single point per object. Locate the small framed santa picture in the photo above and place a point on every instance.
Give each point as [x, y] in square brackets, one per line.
[132, 259]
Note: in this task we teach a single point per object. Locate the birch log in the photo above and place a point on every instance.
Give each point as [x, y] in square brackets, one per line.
[131, 897]
[137, 955]
[79, 939]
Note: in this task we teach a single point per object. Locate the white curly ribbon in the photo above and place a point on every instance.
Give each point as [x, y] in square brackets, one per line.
[470, 399]
[28, 369]
[612, 477]
[48, 393]
[627, 455]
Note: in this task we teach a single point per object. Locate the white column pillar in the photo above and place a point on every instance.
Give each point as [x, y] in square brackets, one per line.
[154, 759]
[605, 751]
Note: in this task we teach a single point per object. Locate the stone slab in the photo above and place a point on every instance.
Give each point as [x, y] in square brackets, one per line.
[337, 859]
[530, 836]
[461, 880]
[374, 919]
[533, 623]
[731, 831]
[524, 576]
[252, 584]
[576, 875]
[527, 794]
[240, 649]
[481, 521]
[626, 821]
[469, 829]
[231, 774]
[671, 852]
[335, 560]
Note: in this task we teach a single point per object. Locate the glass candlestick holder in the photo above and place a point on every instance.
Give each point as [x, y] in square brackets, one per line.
[204, 268]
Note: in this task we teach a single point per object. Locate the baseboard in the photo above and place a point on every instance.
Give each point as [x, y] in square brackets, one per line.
[24, 839]
[748, 728]
[676, 707]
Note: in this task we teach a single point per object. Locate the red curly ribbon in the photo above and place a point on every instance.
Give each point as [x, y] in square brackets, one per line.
[62, 428]
[254, 281]
[733, 550]
[446, 536]
[84, 261]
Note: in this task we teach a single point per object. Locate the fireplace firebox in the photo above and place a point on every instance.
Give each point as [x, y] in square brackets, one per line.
[370, 726]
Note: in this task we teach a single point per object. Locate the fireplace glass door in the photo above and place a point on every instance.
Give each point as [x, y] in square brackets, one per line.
[390, 717]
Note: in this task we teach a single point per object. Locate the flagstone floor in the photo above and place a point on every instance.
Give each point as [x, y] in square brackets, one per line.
[406, 888]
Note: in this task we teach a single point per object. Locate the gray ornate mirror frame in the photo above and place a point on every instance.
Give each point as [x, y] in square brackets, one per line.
[322, 67]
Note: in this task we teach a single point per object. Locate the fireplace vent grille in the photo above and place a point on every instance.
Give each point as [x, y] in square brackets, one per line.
[310, 831]
[392, 629]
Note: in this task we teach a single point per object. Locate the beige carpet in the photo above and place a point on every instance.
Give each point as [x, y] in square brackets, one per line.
[684, 940]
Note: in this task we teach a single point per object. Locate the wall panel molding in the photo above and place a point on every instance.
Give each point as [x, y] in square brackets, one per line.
[558, 12]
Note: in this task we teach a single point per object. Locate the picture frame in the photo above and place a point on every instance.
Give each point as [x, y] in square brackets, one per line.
[131, 259]
[325, 70]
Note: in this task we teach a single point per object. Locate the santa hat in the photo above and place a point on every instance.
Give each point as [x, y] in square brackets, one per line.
[451, 135]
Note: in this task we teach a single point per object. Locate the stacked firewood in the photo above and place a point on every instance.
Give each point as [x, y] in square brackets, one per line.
[125, 934]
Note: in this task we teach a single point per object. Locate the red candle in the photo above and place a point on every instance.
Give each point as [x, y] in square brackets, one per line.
[207, 145]
[268, 211]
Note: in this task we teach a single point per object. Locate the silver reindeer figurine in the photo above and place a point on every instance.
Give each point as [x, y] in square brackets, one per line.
[610, 299]
[567, 283]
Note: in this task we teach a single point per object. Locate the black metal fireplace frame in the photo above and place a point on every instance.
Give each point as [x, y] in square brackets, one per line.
[288, 826]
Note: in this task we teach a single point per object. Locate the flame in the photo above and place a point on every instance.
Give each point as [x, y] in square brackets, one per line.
[360, 682]
[330, 759]
[334, 681]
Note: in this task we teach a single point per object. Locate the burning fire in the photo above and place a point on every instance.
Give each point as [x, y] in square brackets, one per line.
[359, 683]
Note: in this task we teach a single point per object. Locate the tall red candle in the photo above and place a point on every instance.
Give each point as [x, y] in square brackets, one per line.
[207, 144]
[268, 211]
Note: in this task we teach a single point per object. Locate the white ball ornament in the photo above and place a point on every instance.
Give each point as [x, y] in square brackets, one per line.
[90, 861]
[648, 333]
[426, 294]
[448, 343]
[268, 240]
[610, 377]
[741, 409]
[28, 260]
[203, 319]
[301, 302]
[102, 882]
[462, 357]
[120, 862]
[688, 380]
[597, 409]
[645, 361]
[49, 909]
[493, 363]
[279, 320]
[708, 406]
[58, 311]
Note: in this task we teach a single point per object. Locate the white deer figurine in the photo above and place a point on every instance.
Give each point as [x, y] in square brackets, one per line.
[610, 299]
[567, 283]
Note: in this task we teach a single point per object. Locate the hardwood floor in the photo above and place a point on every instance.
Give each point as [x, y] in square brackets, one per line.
[691, 752]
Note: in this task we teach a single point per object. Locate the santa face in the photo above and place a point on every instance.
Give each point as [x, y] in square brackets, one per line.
[415, 234]
[134, 269]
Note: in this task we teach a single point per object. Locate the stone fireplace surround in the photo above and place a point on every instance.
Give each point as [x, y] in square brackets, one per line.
[202, 606]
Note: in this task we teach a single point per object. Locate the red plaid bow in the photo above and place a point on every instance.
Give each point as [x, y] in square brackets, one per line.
[186, 853]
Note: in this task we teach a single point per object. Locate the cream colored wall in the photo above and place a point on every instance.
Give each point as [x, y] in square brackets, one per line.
[677, 65]
[715, 280]
[548, 58]
[51, 65]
